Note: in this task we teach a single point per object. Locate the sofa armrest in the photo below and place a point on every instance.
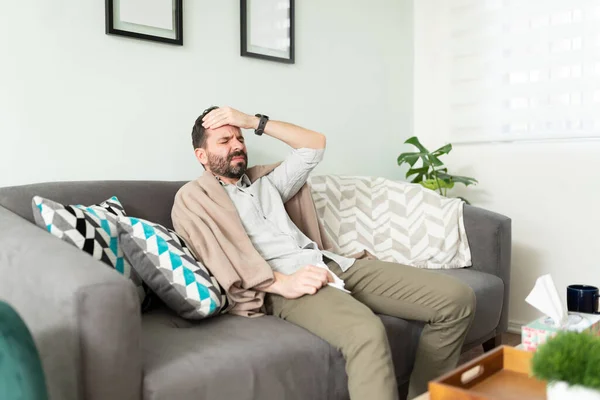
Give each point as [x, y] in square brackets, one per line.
[489, 236]
[84, 317]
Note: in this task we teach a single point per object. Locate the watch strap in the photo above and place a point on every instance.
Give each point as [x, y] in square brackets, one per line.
[262, 123]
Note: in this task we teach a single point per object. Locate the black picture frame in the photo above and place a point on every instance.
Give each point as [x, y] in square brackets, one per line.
[247, 51]
[178, 25]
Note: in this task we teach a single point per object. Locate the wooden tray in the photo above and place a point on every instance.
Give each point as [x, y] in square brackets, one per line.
[501, 374]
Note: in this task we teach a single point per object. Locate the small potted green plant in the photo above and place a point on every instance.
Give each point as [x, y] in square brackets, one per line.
[431, 172]
[570, 363]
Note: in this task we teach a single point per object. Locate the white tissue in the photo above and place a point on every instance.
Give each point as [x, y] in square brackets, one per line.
[339, 286]
[337, 282]
[545, 298]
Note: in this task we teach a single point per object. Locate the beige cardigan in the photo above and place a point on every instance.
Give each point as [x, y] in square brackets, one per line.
[205, 217]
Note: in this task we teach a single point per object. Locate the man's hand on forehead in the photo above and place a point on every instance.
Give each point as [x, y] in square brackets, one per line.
[229, 116]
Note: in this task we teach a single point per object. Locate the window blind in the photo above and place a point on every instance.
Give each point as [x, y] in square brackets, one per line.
[521, 69]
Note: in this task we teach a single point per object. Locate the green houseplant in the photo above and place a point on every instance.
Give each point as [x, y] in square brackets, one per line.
[570, 363]
[431, 171]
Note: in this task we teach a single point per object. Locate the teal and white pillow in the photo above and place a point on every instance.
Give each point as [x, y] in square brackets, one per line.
[167, 266]
[92, 229]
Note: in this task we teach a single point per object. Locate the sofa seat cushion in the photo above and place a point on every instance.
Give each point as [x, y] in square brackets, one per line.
[489, 294]
[233, 357]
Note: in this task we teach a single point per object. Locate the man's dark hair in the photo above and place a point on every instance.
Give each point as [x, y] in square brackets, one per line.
[198, 137]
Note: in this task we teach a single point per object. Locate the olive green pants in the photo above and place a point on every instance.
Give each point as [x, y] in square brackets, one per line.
[348, 322]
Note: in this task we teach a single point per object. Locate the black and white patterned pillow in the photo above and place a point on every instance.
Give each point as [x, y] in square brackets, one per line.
[92, 229]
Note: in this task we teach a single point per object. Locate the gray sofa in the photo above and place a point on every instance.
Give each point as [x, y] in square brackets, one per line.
[96, 344]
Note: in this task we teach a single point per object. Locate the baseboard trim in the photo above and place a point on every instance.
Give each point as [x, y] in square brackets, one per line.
[515, 327]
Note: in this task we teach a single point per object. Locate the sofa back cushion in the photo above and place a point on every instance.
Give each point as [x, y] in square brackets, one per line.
[151, 200]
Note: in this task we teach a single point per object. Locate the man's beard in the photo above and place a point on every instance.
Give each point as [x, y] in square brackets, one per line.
[222, 165]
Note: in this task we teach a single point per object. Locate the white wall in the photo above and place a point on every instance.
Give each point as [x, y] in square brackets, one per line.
[78, 104]
[550, 189]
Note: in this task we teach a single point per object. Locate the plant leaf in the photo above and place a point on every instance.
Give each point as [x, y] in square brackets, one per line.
[592, 372]
[443, 150]
[435, 184]
[465, 180]
[434, 160]
[566, 357]
[429, 184]
[425, 160]
[410, 158]
[420, 172]
[415, 142]
[446, 183]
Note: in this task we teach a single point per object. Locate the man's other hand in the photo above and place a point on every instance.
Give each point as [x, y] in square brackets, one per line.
[229, 116]
[307, 280]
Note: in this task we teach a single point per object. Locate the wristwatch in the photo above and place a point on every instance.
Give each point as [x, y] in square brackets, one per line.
[261, 125]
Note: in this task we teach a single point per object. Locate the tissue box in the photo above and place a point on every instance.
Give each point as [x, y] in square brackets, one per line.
[537, 332]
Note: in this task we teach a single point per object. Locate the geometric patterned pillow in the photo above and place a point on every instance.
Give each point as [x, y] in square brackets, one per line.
[92, 229]
[167, 266]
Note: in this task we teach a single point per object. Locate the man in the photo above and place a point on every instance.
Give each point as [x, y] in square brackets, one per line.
[334, 297]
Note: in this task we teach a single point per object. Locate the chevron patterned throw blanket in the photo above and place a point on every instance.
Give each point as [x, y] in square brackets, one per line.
[395, 221]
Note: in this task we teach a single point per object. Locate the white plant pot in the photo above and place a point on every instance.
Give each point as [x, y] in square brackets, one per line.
[562, 391]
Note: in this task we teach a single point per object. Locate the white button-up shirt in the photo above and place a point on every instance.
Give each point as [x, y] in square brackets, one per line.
[270, 229]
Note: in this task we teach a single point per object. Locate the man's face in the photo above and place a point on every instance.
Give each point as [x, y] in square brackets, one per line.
[224, 152]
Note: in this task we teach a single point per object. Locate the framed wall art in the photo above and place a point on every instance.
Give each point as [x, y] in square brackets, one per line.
[157, 20]
[267, 29]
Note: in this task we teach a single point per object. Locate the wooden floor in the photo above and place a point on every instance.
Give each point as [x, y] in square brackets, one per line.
[509, 339]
